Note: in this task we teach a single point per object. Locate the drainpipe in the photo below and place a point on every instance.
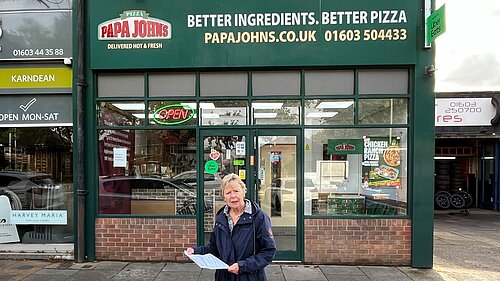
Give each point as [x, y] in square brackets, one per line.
[80, 91]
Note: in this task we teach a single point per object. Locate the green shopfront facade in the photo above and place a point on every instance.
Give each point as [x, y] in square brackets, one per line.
[321, 107]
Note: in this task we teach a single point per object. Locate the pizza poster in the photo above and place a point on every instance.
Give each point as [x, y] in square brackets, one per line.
[381, 162]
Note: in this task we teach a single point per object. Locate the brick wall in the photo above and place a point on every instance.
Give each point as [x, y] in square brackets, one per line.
[144, 239]
[357, 241]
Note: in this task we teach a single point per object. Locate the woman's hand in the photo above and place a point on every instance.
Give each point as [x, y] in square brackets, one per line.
[235, 268]
[190, 251]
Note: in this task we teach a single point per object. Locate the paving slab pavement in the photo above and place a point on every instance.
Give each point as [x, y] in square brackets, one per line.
[29, 270]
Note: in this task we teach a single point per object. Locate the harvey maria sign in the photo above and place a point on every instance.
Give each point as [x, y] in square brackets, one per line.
[134, 25]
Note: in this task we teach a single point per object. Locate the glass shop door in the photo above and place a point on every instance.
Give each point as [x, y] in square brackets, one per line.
[267, 161]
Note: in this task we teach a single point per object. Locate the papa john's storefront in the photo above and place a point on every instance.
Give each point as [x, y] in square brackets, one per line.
[321, 107]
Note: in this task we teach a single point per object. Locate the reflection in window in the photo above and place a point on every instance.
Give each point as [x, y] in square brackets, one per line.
[383, 111]
[36, 175]
[221, 155]
[356, 172]
[267, 112]
[36, 5]
[224, 112]
[144, 172]
[328, 82]
[121, 113]
[383, 81]
[276, 83]
[223, 84]
[329, 112]
[120, 85]
[172, 84]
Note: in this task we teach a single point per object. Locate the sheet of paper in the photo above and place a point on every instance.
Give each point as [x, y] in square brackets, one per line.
[207, 261]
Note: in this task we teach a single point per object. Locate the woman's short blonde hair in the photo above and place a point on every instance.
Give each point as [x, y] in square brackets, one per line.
[231, 178]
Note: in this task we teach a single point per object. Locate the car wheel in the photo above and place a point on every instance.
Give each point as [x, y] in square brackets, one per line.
[443, 201]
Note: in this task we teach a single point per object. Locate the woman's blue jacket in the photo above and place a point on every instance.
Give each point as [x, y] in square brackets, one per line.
[251, 245]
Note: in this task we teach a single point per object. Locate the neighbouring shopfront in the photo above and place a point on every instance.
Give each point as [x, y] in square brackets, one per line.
[467, 151]
[36, 126]
[319, 106]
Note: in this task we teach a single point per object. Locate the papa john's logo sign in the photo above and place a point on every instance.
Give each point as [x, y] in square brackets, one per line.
[134, 25]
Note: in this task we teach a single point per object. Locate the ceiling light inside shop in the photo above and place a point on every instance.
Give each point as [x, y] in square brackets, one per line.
[207, 105]
[130, 106]
[321, 114]
[139, 115]
[267, 105]
[204, 105]
[210, 115]
[265, 114]
[335, 104]
[445, 157]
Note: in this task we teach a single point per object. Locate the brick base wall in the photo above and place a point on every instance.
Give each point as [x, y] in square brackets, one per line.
[144, 239]
[357, 241]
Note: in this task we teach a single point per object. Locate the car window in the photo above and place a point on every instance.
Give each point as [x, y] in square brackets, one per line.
[309, 182]
[187, 177]
[131, 195]
[8, 180]
[151, 183]
[180, 176]
[42, 181]
[290, 184]
[192, 177]
[208, 177]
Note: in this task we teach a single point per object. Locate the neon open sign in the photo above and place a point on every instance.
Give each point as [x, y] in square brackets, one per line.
[173, 114]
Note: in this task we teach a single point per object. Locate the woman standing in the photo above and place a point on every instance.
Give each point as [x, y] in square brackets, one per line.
[242, 235]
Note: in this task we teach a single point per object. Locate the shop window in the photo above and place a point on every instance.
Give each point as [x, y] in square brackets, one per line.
[329, 112]
[274, 112]
[37, 5]
[172, 84]
[356, 172]
[120, 113]
[383, 81]
[383, 111]
[144, 172]
[328, 82]
[223, 84]
[227, 112]
[172, 113]
[276, 83]
[221, 155]
[36, 175]
[120, 85]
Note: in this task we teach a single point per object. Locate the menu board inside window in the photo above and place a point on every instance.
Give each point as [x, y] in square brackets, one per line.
[381, 163]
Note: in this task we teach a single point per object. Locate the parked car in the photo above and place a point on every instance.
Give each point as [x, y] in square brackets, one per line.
[210, 181]
[147, 195]
[31, 190]
[283, 192]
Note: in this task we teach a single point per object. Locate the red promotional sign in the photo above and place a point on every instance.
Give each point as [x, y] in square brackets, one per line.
[134, 25]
